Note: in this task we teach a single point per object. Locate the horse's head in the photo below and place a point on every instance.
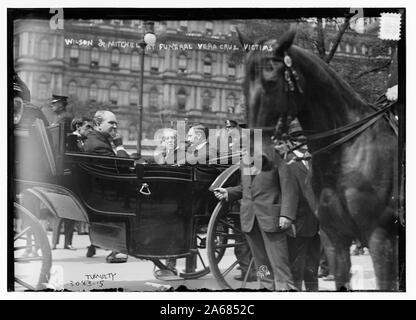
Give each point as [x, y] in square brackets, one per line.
[273, 85]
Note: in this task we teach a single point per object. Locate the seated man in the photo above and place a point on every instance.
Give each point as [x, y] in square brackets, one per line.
[80, 127]
[199, 151]
[99, 142]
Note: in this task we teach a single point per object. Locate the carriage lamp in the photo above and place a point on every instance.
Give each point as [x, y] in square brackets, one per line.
[149, 39]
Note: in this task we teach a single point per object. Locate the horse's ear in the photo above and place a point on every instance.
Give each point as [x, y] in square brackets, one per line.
[286, 41]
[243, 39]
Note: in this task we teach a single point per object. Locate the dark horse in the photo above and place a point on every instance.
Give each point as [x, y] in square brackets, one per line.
[354, 182]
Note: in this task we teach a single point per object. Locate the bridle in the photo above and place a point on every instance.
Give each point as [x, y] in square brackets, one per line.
[291, 79]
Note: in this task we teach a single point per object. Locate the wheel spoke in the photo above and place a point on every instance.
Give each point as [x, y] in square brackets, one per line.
[231, 245]
[230, 226]
[202, 260]
[24, 284]
[21, 233]
[24, 247]
[247, 273]
[28, 259]
[227, 271]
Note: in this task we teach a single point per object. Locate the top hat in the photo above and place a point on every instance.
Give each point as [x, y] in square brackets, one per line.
[20, 89]
[57, 98]
[231, 123]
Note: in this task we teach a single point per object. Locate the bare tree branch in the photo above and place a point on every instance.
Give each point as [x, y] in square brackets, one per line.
[337, 40]
[377, 68]
[320, 42]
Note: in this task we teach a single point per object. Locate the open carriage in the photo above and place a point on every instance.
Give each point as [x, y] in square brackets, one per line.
[148, 211]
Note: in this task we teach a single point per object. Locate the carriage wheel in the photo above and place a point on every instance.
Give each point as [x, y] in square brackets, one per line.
[225, 235]
[32, 253]
[197, 264]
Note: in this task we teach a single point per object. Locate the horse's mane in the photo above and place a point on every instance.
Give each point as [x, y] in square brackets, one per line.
[317, 68]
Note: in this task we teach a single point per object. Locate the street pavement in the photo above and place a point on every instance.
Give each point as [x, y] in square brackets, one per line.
[73, 271]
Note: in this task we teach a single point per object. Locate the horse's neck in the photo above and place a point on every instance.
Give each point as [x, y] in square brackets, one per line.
[330, 101]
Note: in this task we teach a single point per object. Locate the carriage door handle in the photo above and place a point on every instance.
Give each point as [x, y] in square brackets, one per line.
[144, 189]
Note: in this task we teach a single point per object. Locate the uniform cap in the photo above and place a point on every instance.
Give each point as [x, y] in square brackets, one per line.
[56, 98]
[230, 123]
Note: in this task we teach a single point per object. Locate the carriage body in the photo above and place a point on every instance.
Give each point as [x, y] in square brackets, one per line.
[143, 210]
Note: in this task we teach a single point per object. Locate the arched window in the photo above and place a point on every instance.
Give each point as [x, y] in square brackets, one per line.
[44, 52]
[154, 63]
[181, 98]
[182, 62]
[43, 89]
[206, 100]
[231, 70]
[134, 96]
[209, 27]
[93, 92]
[113, 94]
[207, 65]
[183, 25]
[115, 58]
[231, 103]
[354, 50]
[72, 88]
[347, 48]
[135, 61]
[74, 55]
[95, 57]
[364, 49]
[153, 98]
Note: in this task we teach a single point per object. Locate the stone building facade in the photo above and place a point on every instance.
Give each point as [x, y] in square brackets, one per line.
[187, 74]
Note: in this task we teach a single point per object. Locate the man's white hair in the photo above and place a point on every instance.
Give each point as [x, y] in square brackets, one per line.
[99, 116]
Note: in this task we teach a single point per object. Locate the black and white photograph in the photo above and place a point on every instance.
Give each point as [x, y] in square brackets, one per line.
[206, 149]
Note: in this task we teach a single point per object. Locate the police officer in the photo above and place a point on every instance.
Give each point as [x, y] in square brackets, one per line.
[59, 115]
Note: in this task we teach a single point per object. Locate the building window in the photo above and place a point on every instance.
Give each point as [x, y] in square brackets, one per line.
[153, 98]
[93, 92]
[154, 67]
[44, 53]
[183, 26]
[135, 61]
[134, 96]
[364, 50]
[43, 90]
[347, 48]
[182, 63]
[95, 57]
[207, 66]
[206, 101]
[231, 103]
[181, 97]
[115, 59]
[74, 55]
[113, 94]
[231, 71]
[209, 27]
[72, 88]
